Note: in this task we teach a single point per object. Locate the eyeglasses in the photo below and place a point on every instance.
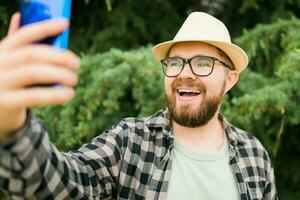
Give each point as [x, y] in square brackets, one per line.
[200, 65]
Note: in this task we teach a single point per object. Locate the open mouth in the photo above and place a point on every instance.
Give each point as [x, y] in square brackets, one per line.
[188, 92]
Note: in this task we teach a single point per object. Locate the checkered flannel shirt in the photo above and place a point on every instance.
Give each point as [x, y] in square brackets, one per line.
[130, 161]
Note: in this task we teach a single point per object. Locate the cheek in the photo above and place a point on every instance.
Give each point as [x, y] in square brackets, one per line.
[214, 85]
[168, 85]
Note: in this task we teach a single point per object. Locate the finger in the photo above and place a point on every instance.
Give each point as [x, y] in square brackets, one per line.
[39, 54]
[32, 97]
[34, 32]
[36, 74]
[14, 23]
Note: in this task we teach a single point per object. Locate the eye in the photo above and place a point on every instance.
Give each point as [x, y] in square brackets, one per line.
[173, 62]
[202, 62]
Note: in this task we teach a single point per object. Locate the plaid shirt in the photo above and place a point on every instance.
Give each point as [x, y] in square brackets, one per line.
[130, 161]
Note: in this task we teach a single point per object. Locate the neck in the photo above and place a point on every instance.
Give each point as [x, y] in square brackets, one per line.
[206, 138]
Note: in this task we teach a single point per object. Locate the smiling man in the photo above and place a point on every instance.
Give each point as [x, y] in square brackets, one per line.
[197, 77]
[211, 159]
[185, 151]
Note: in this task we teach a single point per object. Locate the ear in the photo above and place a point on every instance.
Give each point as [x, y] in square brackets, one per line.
[231, 79]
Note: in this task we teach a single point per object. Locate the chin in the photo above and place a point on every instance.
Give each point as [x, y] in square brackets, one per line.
[193, 114]
[187, 108]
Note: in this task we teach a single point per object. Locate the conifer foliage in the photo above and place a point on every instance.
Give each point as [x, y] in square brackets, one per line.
[266, 102]
[112, 85]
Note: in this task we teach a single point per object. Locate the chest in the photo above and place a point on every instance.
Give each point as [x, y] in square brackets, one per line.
[147, 167]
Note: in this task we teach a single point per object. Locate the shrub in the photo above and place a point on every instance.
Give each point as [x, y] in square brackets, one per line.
[112, 85]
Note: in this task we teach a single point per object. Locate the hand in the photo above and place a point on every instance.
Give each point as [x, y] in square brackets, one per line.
[23, 64]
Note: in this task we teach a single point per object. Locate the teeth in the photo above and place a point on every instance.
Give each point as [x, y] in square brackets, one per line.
[188, 91]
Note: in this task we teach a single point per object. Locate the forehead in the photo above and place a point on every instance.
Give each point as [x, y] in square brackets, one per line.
[189, 49]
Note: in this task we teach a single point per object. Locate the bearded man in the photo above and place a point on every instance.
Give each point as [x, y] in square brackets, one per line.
[185, 151]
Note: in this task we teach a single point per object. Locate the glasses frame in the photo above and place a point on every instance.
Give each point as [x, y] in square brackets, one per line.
[188, 61]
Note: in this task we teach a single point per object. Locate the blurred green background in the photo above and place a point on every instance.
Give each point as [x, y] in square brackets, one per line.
[119, 77]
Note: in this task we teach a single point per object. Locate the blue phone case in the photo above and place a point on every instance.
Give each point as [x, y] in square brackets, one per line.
[39, 10]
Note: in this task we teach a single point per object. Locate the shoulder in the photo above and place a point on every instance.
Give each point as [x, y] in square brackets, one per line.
[248, 139]
[157, 120]
[249, 147]
[141, 125]
[239, 137]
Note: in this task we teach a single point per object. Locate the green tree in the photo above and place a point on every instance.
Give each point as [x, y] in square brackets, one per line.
[112, 85]
[98, 25]
[266, 100]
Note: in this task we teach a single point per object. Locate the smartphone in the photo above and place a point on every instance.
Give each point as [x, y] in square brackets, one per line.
[33, 11]
[39, 10]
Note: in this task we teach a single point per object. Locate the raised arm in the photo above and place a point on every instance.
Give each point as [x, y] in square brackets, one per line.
[30, 166]
[24, 64]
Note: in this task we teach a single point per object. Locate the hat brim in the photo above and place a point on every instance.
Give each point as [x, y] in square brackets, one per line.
[237, 55]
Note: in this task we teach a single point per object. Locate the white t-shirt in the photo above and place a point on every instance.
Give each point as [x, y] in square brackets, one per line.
[201, 176]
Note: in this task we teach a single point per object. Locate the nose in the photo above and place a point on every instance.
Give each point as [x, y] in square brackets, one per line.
[187, 72]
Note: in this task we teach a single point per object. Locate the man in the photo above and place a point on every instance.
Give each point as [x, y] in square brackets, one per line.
[186, 151]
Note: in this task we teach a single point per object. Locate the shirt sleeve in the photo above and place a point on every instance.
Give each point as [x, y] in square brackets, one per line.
[32, 167]
[270, 192]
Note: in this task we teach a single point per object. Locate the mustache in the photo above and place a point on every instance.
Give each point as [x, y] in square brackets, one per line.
[195, 84]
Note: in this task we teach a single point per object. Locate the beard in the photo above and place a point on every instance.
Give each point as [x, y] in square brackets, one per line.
[191, 115]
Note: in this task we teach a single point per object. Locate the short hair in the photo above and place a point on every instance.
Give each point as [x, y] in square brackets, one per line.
[226, 58]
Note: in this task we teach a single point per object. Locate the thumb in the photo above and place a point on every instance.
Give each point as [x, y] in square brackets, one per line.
[14, 23]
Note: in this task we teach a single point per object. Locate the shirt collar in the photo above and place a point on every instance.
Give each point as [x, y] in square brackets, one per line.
[161, 120]
[233, 133]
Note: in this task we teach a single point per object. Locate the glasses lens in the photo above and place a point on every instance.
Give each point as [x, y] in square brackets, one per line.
[202, 65]
[172, 66]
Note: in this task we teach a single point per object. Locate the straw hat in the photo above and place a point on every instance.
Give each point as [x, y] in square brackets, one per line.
[203, 27]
